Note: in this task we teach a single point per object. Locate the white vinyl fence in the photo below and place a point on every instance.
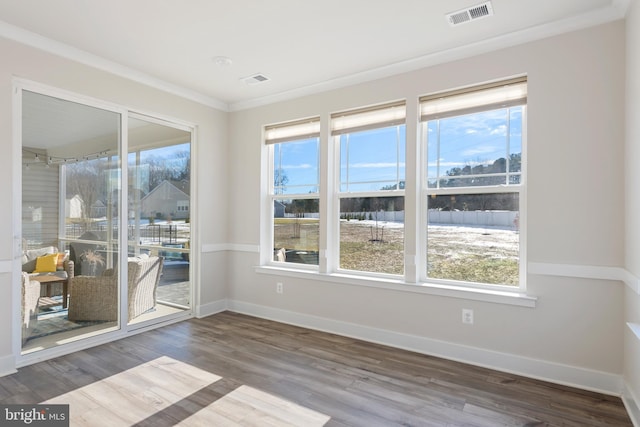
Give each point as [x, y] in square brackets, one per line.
[508, 219]
[504, 219]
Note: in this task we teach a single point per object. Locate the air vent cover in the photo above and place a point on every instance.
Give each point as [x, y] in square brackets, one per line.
[470, 14]
[255, 79]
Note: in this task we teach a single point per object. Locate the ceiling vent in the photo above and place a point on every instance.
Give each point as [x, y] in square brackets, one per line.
[470, 14]
[256, 79]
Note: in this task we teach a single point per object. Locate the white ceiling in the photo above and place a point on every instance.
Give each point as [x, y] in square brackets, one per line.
[66, 129]
[303, 46]
[49, 123]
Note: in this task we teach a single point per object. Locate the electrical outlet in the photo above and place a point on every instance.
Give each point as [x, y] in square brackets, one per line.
[467, 316]
[279, 287]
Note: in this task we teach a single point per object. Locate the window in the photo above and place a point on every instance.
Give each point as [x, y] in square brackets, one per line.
[361, 201]
[371, 188]
[183, 205]
[474, 183]
[294, 191]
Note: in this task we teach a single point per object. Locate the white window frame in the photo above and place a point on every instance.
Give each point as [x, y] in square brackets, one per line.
[414, 279]
[292, 131]
[369, 118]
[500, 94]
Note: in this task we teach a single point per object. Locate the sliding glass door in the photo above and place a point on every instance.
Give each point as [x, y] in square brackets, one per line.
[159, 213]
[101, 243]
[70, 222]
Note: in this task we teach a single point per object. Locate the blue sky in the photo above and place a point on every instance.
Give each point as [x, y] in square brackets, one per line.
[299, 162]
[168, 153]
[171, 157]
[473, 139]
[375, 158]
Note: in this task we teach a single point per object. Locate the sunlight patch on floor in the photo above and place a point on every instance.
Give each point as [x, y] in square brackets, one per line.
[135, 394]
[247, 406]
[145, 392]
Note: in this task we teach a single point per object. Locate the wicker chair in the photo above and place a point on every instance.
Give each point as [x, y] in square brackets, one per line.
[95, 298]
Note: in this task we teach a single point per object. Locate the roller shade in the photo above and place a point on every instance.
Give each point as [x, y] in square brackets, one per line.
[293, 131]
[368, 118]
[503, 94]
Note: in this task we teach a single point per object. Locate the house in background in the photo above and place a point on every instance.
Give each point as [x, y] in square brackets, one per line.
[98, 209]
[278, 209]
[73, 207]
[169, 200]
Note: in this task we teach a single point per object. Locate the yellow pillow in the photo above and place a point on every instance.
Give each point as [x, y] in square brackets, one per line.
[46, 263]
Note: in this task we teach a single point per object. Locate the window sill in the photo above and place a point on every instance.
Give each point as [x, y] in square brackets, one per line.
[468, 293]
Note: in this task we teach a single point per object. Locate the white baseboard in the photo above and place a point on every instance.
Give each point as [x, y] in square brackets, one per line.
[632, 405]
[7, 365]
[211, 308]
[220, 247]
[587, 379]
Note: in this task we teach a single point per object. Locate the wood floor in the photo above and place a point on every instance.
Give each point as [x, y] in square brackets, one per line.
[232, 370]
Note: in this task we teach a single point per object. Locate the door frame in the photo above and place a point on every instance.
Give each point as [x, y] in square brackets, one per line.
[123, 330]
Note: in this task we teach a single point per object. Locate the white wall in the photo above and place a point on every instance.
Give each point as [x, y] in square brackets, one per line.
[574, 198]
[29, 63]
[632, 199]
[576, 334]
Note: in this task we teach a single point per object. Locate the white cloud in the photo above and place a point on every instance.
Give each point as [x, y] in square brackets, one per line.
[375, 165]
[477, 151]
[300, 166]
[500, 130]
[446, 164]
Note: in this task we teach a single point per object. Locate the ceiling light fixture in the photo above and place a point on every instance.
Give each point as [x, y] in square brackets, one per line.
[222, 61]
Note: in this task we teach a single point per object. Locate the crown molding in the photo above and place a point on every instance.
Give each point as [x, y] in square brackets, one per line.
[616, 10]
[63, 50]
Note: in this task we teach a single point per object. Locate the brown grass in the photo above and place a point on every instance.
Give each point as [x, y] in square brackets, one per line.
[473, 254]
[482, 255]
[297, 234]
[365, 247]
